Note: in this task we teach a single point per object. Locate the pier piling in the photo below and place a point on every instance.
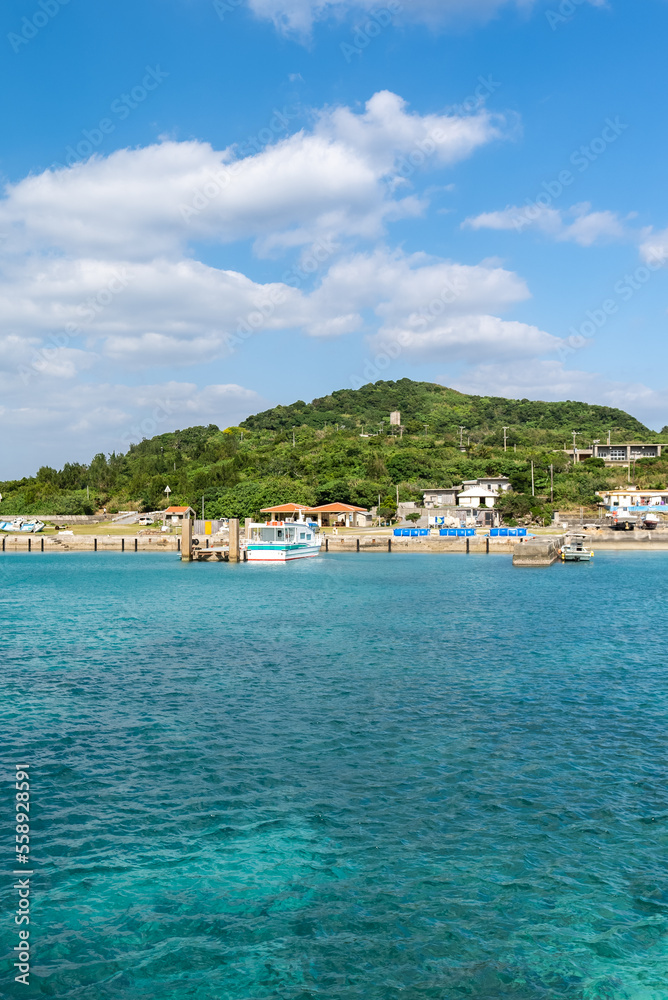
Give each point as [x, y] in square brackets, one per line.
[186, 540]
[234, 540]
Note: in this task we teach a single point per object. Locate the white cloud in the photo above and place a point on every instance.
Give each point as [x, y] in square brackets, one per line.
[344, 178]
[296, 17]
[464, 338]
[95, 263]
[184, 312]
[549, 380]
[432, 309]
[577, 224]
[654, 247]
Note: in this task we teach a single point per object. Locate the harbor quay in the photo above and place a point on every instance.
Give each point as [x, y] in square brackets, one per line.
[90, 543]
[536, 550]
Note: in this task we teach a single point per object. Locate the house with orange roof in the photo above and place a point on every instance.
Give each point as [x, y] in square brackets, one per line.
[327, 515]
[175, 515]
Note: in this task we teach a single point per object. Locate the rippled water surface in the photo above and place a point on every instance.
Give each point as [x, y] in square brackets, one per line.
[360, 776]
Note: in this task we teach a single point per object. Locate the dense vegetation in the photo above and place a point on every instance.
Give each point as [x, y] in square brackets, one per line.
[341, 447]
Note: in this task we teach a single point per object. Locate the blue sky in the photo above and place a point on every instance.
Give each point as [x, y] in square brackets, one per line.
[213, 207]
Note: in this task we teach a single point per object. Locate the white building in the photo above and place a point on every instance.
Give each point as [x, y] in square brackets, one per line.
[395, 418]
[633, 496]
[472, 493]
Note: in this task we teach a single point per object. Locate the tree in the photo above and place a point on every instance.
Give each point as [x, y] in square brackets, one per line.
[388, 508]
[414, 516]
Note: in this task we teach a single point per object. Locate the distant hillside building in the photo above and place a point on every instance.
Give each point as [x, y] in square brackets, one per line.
[472, 493]
[615, 454]
[395, 418]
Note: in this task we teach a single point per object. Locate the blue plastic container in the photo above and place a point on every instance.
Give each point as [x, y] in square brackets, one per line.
[494, 532]
[397, 532]
[406, 532]
[443, 531]
[415, 532]
[512, 532]
[522, 532]
[424, 531]
[470, 532]
[503, 532]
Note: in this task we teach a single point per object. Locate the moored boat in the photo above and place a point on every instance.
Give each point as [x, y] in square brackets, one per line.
[574, 549]
[282, 541]
[650, 521]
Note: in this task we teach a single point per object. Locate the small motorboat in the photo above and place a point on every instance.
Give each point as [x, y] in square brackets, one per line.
[574, 549]
[650, 521]
[23, 525]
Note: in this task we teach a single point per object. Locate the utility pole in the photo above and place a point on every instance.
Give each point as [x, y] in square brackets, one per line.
[425, 429]
[461, 436]
[551, 484]
[575, 434]
[202, 508]
[533, 488]
[609, 432]
[293, 437]
[505, 439]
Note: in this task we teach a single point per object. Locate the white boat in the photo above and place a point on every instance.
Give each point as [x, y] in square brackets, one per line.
[282, 541]
[22, 524]
[574, 549]
[650, 521]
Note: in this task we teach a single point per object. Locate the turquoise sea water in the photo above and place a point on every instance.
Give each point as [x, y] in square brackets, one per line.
[360, 776]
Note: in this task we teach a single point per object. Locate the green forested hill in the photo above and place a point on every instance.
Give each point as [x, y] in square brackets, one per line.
[341, 447]
[445, 410]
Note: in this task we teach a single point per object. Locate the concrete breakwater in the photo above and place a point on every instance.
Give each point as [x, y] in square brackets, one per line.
[538, 551]
[88, 543]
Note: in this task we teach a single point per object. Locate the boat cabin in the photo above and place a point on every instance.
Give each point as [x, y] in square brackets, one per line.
[284, 532]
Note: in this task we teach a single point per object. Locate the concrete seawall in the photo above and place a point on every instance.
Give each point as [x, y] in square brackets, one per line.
[89, 543]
